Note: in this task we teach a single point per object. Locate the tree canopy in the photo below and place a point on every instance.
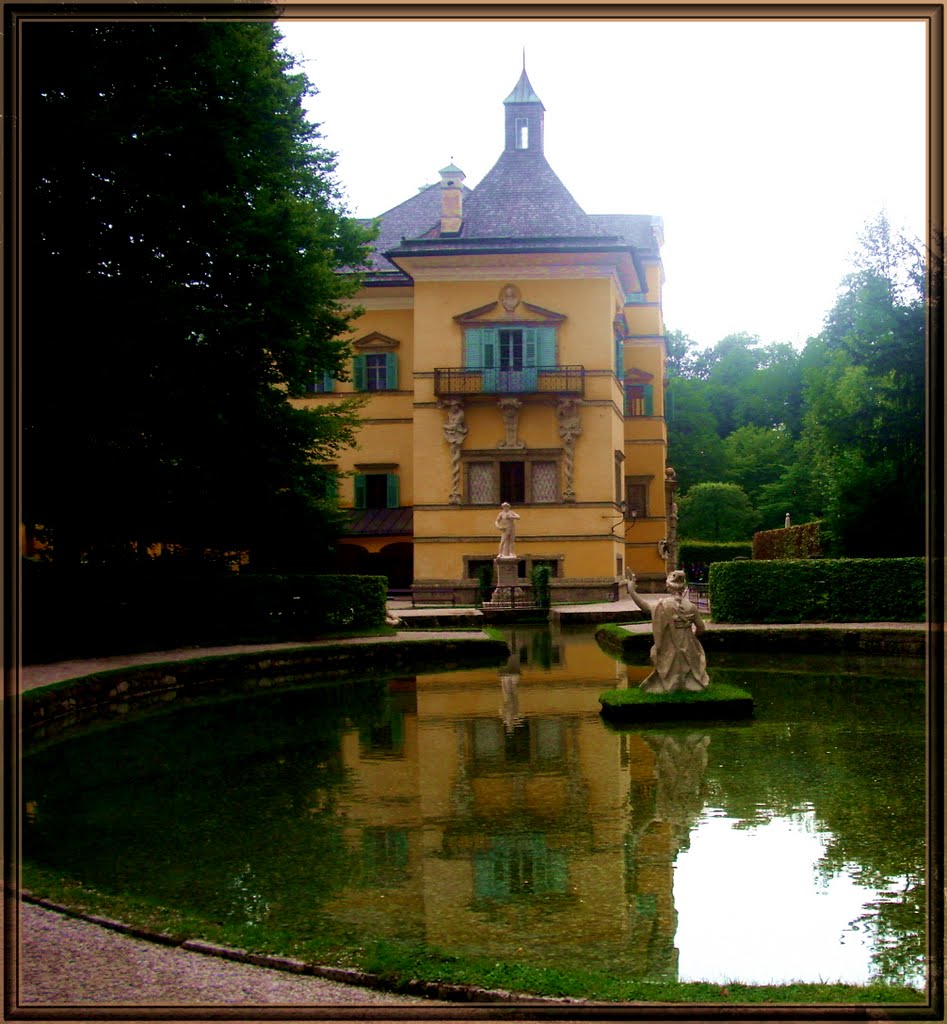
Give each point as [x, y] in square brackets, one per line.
[717, 512]
[835, 432]
[183, 237]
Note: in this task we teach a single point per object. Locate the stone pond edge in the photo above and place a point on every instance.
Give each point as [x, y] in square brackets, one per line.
[111, 693]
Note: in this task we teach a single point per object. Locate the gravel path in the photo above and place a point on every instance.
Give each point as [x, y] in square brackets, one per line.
[64, 961]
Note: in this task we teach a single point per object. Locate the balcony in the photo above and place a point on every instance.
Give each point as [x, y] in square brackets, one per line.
[529, 380]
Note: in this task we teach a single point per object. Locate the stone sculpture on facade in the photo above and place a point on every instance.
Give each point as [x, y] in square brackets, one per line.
[455, 430]
[570, 427]
[510, 408]
[677, 655]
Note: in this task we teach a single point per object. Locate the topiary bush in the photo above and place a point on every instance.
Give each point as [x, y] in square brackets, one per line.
[819, 590]
[539, 578]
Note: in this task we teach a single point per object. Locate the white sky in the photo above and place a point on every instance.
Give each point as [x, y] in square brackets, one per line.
[765, 146]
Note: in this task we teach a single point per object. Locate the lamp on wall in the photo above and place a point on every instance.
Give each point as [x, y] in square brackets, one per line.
[622, 508]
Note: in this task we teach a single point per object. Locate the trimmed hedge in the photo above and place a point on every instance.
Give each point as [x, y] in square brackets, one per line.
[791, 542]
[707, 551]
[88, 614]
[819, 590]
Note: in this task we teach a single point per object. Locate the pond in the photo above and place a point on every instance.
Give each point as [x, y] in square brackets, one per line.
[493, 813]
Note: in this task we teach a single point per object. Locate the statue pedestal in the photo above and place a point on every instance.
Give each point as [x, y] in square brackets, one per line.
[508, 592]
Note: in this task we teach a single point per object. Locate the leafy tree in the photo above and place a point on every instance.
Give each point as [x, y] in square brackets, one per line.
[756, 456]
[694, 446]
[865, 392]
[178, 206]
[716, 512]
[752, 384]
[795, 491]
[682, 358]
[771, 396]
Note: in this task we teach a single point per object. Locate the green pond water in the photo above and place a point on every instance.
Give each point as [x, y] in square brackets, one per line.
[492, 813]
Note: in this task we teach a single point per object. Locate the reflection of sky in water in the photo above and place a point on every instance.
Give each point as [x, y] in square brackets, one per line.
[730, 880]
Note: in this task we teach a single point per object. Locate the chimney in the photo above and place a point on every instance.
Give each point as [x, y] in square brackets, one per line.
[452, 199]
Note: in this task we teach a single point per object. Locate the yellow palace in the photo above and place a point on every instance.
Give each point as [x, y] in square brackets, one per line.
[511, 349]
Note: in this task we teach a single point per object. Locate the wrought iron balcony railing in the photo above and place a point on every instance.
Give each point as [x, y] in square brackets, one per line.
[557, 380]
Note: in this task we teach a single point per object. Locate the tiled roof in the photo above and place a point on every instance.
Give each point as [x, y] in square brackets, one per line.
[381, 522]
[520, 204]
[521, 197]
[636, 229]
[410, 219]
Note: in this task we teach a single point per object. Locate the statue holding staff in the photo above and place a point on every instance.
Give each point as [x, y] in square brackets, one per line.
[677, 655]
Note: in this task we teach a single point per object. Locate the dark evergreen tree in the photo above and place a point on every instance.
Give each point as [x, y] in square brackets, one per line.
[183, 234]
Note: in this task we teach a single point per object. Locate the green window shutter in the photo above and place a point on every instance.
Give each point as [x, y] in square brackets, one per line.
[328, 384]
[619, 358]
[546, 346]
[391, 371]
[480, 348]
[649, 399]
[392, 496]
[360, 496]
[490, 340]
[530, 346]
[473, 348]
[625, 410]
[358, 375]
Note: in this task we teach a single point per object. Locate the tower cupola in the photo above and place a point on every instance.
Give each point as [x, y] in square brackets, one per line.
[524, 118]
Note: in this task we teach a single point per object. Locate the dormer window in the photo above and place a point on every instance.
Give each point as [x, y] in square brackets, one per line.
[522, 133]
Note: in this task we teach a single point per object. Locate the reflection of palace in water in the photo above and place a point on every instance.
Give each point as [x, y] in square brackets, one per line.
[496, 813]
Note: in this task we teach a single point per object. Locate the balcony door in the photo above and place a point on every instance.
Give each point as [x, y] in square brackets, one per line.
[510, 357]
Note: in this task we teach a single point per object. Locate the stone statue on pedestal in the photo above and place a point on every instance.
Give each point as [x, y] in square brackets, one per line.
[506, 524]
[677, 655]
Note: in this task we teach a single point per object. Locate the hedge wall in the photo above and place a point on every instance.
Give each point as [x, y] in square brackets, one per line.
[792, 542]
[819, 590]
[706, 551]
[87, 614]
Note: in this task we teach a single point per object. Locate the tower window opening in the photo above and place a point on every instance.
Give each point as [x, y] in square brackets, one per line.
[522, 133]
